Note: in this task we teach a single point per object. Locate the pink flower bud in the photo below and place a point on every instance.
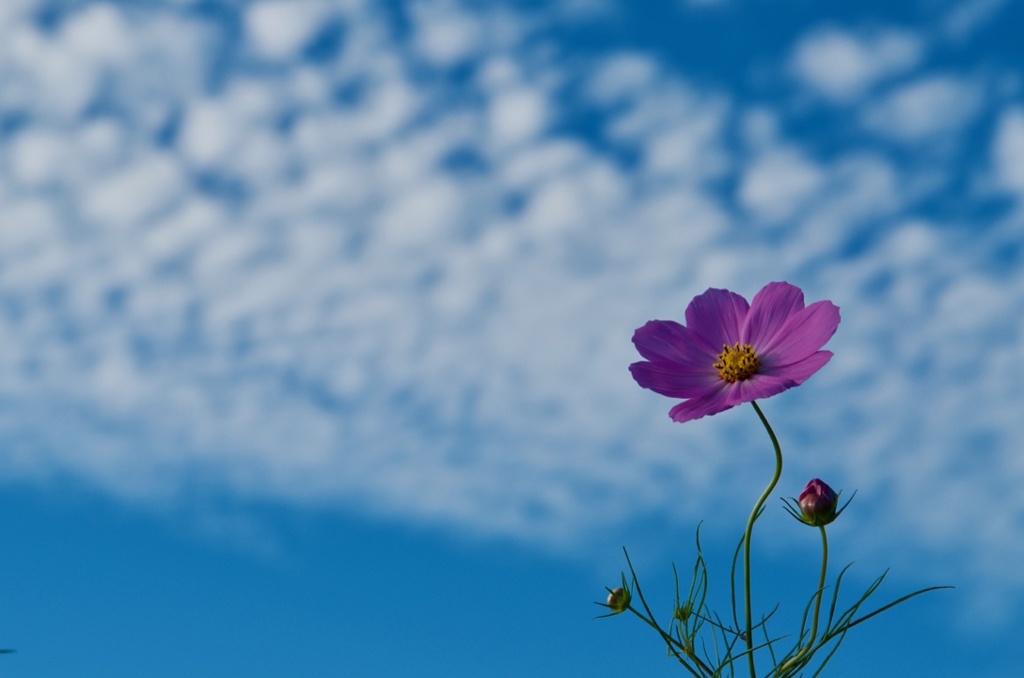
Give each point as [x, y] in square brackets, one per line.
[819, 503]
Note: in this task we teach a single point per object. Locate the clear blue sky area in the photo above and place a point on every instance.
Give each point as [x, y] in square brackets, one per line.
[315, 320]
[93, 590]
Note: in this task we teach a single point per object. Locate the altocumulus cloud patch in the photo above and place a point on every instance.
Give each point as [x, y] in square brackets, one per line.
[327, 252]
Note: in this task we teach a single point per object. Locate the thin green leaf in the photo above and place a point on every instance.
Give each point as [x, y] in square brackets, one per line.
[896, 602]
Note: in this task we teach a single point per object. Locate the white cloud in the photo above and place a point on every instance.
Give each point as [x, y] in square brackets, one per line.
[517, 115]
[43, 157]
[778, 183]
[143, 61]
[47, 68]
[420, 300]
[36, 156]
[677, 131]
[233, 130]
[209, 131]
[445, 33]
[925, 109]
[1007, 151]
[135, 193]
[532, 164]
[420, 217]
[13, 12]
[278, 29]
[622, 76]
[843, 66]
[31, 228]
[98, 33]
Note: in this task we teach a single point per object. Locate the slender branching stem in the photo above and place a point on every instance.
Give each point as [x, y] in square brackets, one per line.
[746, 538]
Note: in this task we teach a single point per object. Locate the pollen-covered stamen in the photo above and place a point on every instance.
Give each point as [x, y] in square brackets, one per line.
[737, 362]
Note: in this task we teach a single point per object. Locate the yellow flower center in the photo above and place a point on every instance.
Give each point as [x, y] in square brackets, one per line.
[737, 362]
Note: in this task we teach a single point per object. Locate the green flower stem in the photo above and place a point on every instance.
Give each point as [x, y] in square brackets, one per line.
[817, 606]
[821, 585]
[750, 529]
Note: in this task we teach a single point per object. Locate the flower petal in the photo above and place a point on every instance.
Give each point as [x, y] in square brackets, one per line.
[804, 333]
[769, 311]
[712, 402]
[758, 387]
[715, 318]
[669, 379]
[800, 371]
[668, 341]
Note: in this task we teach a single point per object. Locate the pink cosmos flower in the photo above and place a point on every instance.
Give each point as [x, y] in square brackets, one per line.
[731, 352]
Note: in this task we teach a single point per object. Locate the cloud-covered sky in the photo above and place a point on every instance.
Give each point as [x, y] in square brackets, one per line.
[388, 257]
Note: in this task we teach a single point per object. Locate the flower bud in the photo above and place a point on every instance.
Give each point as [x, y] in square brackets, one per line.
[619, 600]
[683, 612]
[819, 503]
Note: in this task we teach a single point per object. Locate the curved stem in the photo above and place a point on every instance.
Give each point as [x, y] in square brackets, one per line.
[750, 529]
[817, 607]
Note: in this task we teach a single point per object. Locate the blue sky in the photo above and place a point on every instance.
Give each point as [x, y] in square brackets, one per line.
[315, 319]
